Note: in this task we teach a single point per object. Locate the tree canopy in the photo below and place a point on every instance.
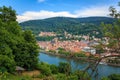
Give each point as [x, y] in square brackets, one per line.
[17, 47]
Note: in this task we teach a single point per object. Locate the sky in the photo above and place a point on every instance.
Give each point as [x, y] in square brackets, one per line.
[41, 9]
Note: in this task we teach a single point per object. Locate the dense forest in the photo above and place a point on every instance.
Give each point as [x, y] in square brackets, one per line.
[75, 26]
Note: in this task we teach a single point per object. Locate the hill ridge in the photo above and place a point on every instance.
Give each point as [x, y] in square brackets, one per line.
[84, 25]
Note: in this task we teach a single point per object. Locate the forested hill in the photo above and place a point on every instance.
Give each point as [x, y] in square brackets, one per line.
[71, 25]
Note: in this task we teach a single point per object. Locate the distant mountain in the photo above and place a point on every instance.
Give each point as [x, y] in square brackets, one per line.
[87, 25]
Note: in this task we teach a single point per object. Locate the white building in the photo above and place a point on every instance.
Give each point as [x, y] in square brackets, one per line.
[89, 49]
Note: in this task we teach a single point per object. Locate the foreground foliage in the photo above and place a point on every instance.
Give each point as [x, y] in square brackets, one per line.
[17, 47]
[112, 77]
[61, 72]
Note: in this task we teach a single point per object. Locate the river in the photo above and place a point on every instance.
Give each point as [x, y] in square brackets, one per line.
[103, 70]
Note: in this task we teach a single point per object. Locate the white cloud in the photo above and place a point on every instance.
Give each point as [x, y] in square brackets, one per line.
[90, 11]
[30, 15]
[41, 1]
[93, 11]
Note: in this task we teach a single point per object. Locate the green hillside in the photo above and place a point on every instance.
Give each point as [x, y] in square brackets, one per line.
[87, 25]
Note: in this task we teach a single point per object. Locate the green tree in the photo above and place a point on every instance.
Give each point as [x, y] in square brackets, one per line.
[17, 47]
[6, 56]
[44, 68]
[81, 76]
[112, 36]
[112, 32]
[7, 14]
[54, 69]
[26, 53]
[64, 68]
[105, 78]
[112, 77]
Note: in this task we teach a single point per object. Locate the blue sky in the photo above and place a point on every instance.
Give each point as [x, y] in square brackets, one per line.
[40, 9]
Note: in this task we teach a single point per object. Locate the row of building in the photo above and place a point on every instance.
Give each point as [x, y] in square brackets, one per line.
[72, 46]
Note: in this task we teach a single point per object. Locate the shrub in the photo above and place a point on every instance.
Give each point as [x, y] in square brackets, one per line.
[82, 76]
[64, 68]
[114, 77]
[44, 68]
[73, 77]
[61, 77]
[54, 69]
[105, 78]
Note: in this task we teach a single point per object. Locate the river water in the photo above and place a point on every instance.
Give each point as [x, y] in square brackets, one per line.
[103, 70]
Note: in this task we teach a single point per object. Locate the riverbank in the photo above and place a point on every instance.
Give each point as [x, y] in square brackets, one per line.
[65, 56]
[116, 65]
[87, 59]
